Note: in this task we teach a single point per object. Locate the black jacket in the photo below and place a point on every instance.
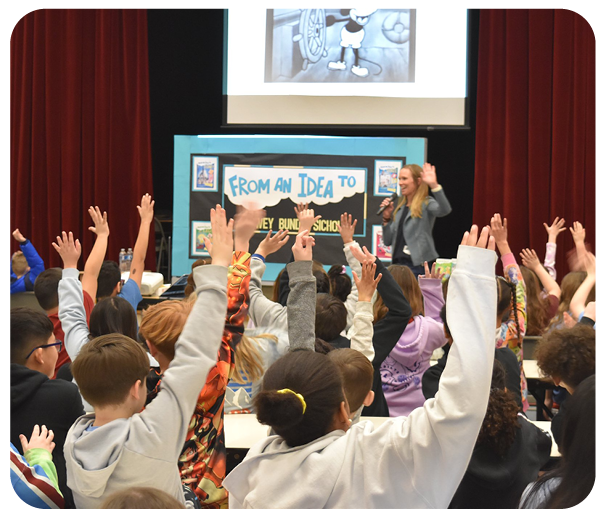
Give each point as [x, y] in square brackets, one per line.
[494, 482]
[38, 400]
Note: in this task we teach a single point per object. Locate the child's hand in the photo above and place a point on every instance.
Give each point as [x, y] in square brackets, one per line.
[270, 244]
[529, 259]
[40, 438]
[568, 321]
[303, 247]
[498, 229]
[246, 224]
[435, 273]
[470, 238]
[306, 217]
[367, 284]
[555, 229]
[428, 176]
[18, 236]
[68, 249]
[578, 232]
[362, 256]
[590, 264]
[146, 209]
[347, 227]
[222, 232]
[100, 221]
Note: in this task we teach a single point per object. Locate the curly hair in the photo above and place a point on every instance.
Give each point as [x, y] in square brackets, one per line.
[568, 354]
[498, 430]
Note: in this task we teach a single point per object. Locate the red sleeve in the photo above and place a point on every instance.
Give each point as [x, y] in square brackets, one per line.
[88, 303]
[553, 303]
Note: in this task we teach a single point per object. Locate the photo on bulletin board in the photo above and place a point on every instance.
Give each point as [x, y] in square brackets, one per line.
[386, 177]
[199, 230]
[204, 173]
[378, 248]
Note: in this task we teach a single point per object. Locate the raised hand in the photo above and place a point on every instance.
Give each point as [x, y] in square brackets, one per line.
[303, 247]
[306, 217]
[246, 224]
[347, 227]
[19, 236]
[100, 221]
[590, 264]
[568, 321]
[435, 273]
[529, 259]
[499, 229]
[362, 256]
[428, 176]
[366, 285]
[554, 229]
[146, 209]
[485, 241]
[578, 232]
[388, 211]
[68, 249]
[271, 243]
[221, 250]
[40, 438]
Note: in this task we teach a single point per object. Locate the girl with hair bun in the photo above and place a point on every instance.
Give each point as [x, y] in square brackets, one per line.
[317, 459]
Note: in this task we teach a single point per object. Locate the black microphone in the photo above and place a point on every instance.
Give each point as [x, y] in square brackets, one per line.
[382, 208]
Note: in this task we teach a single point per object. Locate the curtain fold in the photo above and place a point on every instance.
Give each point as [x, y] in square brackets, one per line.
[80, 127]
[535, 126]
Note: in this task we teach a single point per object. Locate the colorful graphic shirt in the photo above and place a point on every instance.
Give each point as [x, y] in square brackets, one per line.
[509, 334]
[203, 461]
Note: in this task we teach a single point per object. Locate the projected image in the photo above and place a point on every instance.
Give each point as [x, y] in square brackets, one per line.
[340, 45]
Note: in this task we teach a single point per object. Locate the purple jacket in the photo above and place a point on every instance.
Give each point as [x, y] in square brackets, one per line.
[403, 369]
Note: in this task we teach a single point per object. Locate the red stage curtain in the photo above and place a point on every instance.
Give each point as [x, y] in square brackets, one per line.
[80, 126]
[535, 126]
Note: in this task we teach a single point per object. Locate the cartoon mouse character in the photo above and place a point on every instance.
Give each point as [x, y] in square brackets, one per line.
[351, 36]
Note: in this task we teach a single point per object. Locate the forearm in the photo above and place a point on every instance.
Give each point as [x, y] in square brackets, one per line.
[362, 332]
[512, 273]
[72, 312]
[43, 458]
[263, 311]
[433, 299]
[550, 258]
[94, 264]
[548, 283]
[578, 302]
[356, 267]
[301, 306]
[238, 297]
[139, 251]
[34, 260]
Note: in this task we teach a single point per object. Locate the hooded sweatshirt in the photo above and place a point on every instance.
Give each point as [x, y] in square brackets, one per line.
[143, 450]
[408, 462]
[403, 369]
[38, 400]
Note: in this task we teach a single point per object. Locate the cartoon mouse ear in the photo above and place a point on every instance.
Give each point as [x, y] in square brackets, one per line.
[345, 12]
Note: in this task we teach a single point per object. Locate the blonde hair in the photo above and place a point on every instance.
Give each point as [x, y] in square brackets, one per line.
[142, 506]
[248, 362]
[19, 264]
[409, 284]
[420, 196]
[163, 323]
[568, 286]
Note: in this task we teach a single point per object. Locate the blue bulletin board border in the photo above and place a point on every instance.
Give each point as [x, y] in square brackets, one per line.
[414, 149]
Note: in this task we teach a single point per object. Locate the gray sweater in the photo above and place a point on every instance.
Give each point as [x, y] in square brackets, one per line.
[143, 450]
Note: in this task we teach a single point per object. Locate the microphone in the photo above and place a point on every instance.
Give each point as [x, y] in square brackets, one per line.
[382, 208]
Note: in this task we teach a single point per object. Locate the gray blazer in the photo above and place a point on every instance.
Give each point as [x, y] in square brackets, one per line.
[417, 232]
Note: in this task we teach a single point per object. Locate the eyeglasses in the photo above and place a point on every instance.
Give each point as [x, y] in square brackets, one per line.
[46, 346]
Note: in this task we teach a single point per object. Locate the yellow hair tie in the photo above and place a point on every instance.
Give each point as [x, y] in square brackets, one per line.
[299, 396]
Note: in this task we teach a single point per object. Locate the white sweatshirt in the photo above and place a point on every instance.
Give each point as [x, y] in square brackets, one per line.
[409, 462]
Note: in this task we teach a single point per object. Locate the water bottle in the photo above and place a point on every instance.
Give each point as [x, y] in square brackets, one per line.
[129, 259]
[122, 260]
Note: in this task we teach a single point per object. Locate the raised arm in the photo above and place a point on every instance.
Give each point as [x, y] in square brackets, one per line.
[363, 330]
[146, 211]
[303, 292]
[96, 258]
[578, 302]
[553, 230]
[579, 239]
[431, 288]
[531, 261]
[346, 229]
[71, 307]
[34, 261]
[439, 206]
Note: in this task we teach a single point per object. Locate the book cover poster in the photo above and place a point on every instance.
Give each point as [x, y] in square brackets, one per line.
[386, 177]
[200, 230]
[204, 173]
[378, 248]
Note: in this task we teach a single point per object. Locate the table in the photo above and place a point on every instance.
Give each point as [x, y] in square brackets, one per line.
[537, 385]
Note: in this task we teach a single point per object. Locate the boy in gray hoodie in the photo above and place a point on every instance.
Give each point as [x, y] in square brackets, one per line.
[119, 446]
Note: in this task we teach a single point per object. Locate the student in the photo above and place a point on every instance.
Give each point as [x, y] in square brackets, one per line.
[111, 371]
[567, 356]
[47, 284]
[202, 463]
[340, 282]
[313, 462]
[109, 281]
[553, 231]
[542, 305]
[511, 328]
[408, 228]
[331, 320]
[580, 297]
[142, 506]
[35, 399]
[509, 453]
[403, 369]
[26, 265]
[572, 481]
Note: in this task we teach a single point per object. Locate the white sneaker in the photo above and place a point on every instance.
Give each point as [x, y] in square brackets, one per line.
[338, 66]
[359, 71]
